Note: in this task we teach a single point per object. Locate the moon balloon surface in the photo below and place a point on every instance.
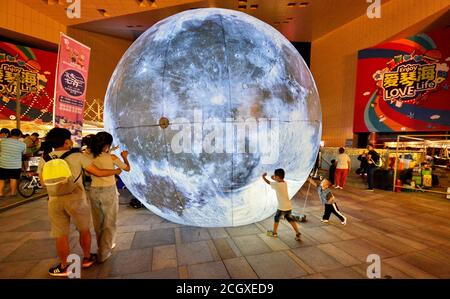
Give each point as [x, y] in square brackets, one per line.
[205, 101]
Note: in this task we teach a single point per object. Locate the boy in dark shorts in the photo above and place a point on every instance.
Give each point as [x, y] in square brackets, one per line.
[284, 203]
[327, 198]
[11, 152]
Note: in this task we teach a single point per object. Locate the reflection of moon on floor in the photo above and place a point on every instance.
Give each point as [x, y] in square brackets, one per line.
[205, 101]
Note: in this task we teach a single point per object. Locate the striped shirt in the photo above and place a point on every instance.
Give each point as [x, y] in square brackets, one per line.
[11, 151]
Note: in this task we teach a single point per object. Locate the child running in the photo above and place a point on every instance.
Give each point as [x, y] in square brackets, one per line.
[327, 198]
[284, 203]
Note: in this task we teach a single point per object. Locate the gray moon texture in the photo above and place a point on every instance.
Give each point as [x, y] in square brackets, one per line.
[239, 100]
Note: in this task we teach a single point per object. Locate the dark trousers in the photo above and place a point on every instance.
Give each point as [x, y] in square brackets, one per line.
[370, 172]
[332, 208]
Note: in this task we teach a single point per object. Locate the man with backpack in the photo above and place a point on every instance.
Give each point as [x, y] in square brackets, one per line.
[61, 172]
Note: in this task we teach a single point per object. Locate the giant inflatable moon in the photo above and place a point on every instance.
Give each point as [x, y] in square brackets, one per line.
[205, 101]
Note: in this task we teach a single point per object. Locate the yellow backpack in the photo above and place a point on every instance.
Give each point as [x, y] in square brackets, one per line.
[57, 176]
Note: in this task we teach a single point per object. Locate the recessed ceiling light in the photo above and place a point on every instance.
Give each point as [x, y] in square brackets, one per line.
[242, 2]
[138, 26]
[142, 3]
[292, 4]
[254, 6]
[153, 5]
[103, 12]
[289, 19]
[242, 7]
[303, 4]
[130, 26]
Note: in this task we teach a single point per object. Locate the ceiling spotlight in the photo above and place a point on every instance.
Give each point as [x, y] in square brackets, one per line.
[242, 2]
[289, 19]
[103, 12]
[242, 7]
[291, 4]
[303, 4]
[142, 3]
[254, 6]
[153, 4]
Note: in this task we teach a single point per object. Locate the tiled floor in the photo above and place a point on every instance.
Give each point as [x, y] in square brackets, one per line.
[409, 231]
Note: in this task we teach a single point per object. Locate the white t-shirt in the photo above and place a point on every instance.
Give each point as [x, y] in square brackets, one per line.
[342, 161]
[284, 204]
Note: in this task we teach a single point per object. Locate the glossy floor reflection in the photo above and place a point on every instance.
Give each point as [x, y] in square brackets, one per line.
[409, 231]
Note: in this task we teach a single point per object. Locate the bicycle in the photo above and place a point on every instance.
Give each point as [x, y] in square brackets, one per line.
[29, 182]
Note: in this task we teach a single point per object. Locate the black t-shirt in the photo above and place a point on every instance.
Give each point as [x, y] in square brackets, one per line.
[374, 156]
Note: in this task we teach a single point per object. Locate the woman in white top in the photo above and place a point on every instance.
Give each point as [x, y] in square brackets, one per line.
[342, 168]
[103, 193]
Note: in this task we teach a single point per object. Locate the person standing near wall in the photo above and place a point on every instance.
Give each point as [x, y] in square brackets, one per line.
[342, 168]
[373, 159]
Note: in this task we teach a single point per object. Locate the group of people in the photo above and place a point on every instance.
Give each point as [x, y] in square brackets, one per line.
[341, 167]
[99, 205]
[338, 173]
[15, 148]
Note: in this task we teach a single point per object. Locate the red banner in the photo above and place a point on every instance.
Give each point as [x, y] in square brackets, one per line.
[403, 85]
[35, 70]
[71, 85]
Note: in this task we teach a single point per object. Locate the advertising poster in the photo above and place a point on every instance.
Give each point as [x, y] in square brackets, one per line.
[71, 85]
[403, 85]
[35, 70]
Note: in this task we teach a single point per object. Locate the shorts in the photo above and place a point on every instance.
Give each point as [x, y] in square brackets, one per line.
[73, 206]
[6, 174]
[286, 214]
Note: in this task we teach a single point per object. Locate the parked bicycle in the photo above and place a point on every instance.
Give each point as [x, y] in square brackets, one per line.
[29, 181]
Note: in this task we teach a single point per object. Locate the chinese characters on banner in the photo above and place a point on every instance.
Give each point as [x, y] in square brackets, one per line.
[403, 85]
[70, 95]
[36, 72]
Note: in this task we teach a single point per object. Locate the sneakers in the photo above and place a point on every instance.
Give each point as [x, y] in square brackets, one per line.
[89, 261]
[324, 221]
[271, 233]
[345, 221]
[58, 271]
[113, 246]
[336, 187]
[371, 190]
[297, 237]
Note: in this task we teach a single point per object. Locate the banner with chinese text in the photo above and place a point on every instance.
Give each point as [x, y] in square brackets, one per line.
[403, 85]
[71, 84]
[35, 70]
